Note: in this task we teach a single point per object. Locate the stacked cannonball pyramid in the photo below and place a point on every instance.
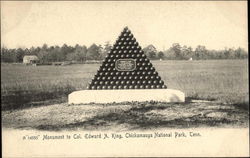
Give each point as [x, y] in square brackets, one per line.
[126, 67]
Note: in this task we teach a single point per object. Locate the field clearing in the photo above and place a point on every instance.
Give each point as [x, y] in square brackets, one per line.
[220, 80]
[223, 82]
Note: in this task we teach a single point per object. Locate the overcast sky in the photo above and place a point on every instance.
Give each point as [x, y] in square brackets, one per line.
[214, 24]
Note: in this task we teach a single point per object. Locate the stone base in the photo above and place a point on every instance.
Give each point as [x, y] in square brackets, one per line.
[140, 95]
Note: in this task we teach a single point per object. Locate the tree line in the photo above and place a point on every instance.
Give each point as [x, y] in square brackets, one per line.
[81, 53]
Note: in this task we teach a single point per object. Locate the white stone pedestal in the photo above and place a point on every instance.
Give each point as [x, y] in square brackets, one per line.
[140, 95]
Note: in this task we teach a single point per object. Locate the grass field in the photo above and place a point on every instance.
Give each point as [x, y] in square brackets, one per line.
[220, 80]
[223, 82]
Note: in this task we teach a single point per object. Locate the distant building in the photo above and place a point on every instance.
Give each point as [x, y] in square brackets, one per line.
[30, 59]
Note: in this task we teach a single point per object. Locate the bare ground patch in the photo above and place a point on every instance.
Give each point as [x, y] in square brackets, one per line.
[128, 116]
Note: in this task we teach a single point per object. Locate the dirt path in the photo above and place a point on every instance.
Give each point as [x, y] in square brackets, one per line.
[126, 116]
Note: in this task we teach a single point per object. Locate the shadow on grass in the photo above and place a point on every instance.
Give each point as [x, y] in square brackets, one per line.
[23, 99]
[189, 99]
[144, 115]
[242, 105]
[135, 118]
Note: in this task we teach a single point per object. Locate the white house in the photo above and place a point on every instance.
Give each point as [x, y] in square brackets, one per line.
[30, 59]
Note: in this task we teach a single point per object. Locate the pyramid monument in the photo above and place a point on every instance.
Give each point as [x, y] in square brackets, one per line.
[126, 67]
[126, 75]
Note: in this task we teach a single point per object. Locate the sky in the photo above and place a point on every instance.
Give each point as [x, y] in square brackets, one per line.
[216, 25]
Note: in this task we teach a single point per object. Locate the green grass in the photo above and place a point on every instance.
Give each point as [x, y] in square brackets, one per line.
[225, 81]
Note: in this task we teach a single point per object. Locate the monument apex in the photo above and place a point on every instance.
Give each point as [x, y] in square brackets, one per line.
[126, 66]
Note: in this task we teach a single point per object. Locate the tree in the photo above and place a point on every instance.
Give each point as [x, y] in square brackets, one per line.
[201, 52]
[56, 54]
[240, 53]
[61, 55]
[151, 55]
[71, 57]
[186, 52]
[169, 54]
[160, 55]
[45, 47]
[43, 56]
[176, 47]
[82, 53]
[93, 52]
[150, 51]
[19, 55]
[6, 55]
[106, 50]
[79, 54]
